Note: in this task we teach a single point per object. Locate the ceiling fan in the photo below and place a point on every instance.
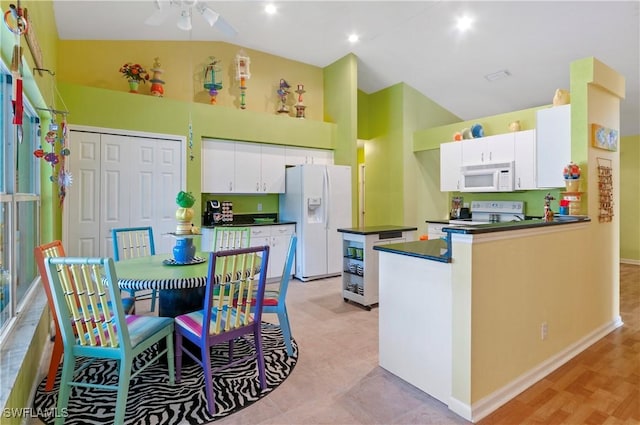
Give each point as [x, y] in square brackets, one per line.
[187, 9]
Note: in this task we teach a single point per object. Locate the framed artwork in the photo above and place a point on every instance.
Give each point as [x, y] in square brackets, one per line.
[604, 138]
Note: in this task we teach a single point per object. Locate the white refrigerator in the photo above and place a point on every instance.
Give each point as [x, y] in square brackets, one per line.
[318, 199]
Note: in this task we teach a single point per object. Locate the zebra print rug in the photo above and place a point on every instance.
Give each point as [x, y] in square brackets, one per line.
[152, 400]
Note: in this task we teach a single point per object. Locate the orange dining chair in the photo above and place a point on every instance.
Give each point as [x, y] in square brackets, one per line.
[133, 242]
[55, 249]
[225, 315]
[83, 292]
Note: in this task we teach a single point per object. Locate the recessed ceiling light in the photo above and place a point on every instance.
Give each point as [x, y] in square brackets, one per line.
[464, 23]
[353, 38]
[499, 75]
[271, 9]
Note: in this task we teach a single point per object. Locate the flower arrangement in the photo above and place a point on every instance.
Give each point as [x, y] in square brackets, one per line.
[134, 71]
[571, 171]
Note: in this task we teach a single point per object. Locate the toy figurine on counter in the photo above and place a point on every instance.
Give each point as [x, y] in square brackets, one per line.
[548, 214]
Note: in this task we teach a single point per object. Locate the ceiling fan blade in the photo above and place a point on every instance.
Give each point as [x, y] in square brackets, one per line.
[225, 27]
[160, 14]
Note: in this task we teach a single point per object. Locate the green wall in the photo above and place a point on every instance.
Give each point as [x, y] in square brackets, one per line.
[630, 199]
[341, 107]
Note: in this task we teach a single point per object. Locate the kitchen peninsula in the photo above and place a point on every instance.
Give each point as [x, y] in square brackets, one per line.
[476, 319]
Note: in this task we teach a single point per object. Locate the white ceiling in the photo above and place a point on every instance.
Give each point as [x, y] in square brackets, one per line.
[414, 42]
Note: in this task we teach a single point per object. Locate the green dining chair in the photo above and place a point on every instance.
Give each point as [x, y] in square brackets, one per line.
[82, 290]
[227, 237]
[134, 242]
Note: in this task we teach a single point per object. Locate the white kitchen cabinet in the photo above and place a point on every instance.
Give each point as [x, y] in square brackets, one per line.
[296, 156]
[450, 162]
[272, 168]
[488, 150]
[238, 167]
[525, 160]
[218, 166]
[360, 261]
[553, 145]
[259, 168]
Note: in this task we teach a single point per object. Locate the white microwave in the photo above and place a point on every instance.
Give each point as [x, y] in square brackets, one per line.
[487, 178]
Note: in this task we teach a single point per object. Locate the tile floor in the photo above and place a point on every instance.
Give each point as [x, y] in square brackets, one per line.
[337, 379]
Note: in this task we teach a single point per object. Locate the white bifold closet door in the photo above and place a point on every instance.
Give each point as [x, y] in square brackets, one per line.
[120, 181]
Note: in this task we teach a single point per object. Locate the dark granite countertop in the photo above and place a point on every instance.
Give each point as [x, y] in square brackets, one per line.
[232, 224]
[434, 249]
[440, 250]
[475, 229]
[371, 230]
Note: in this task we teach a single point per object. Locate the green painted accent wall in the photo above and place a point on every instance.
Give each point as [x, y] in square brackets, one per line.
[630, 198]
[341, 107]
[383, 158]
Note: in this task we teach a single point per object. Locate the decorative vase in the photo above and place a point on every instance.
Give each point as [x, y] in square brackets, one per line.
[133, 86]
[573, 185]
[157, 85]
[184, 217]
[184, 250]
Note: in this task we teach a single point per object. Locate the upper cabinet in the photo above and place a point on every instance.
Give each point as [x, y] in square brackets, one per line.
[519, 147]
[450, 162]
[296, 156]
[553, 145]
[525, 160]
[259, 168]
[218, 166]
[236, 167]
[488, 150]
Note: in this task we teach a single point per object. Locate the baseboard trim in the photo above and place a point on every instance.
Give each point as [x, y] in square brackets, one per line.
[492, 402]
[630, 261]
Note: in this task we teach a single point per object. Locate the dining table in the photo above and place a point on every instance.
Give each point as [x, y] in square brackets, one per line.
[181, 287]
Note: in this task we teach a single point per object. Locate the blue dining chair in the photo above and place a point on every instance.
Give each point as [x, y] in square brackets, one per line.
[56, 249]
[274, 300]
[83, 291]
[134, 242]
[225, 316]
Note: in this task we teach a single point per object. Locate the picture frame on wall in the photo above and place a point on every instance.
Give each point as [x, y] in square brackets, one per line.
[604, 138]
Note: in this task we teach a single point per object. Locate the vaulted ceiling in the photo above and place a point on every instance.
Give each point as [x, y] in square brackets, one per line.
[414, 42]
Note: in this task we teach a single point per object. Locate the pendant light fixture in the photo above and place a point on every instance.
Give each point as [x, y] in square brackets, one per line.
[184, 21]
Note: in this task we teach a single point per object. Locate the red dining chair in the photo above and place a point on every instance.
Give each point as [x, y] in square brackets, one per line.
[225, 316]
[56, 249]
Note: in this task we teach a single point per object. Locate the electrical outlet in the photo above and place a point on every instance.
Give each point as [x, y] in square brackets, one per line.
[259, 207]
[544, 331]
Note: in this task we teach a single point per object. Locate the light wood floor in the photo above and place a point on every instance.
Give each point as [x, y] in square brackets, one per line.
[338, 381]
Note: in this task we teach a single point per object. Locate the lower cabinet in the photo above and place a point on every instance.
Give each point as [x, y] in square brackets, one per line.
[276, 236]
[360, 264]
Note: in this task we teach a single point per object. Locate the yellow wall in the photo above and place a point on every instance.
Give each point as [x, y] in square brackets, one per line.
[97, 63]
